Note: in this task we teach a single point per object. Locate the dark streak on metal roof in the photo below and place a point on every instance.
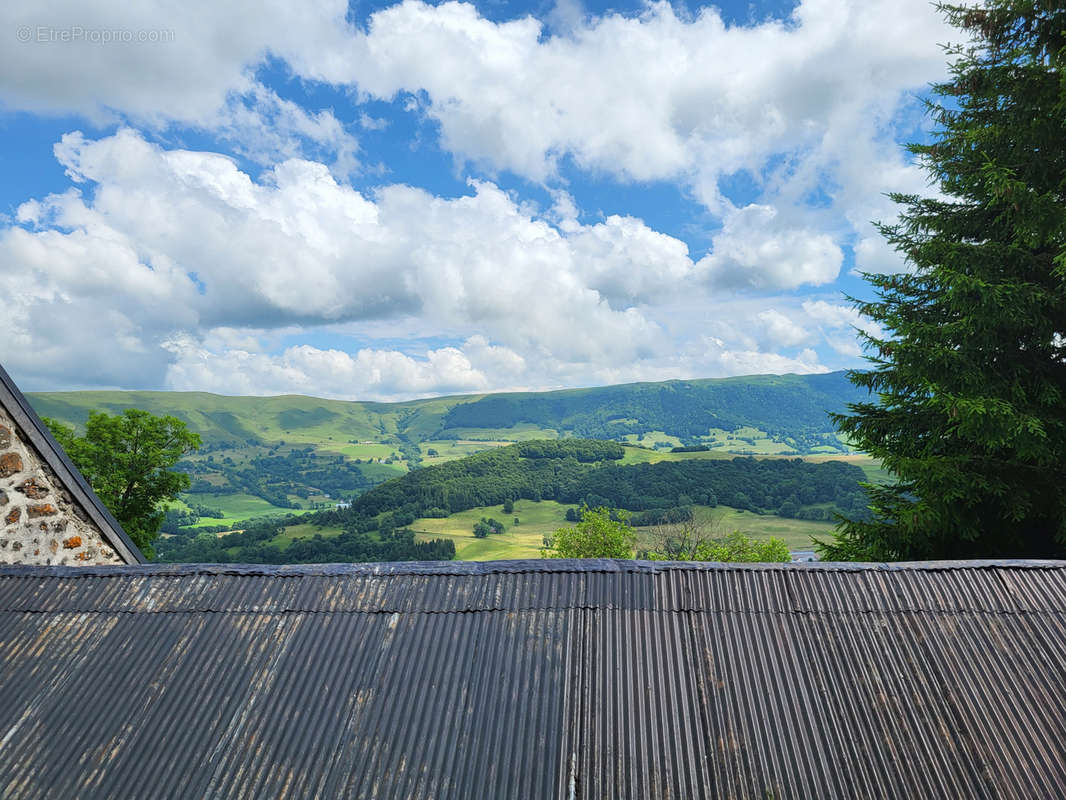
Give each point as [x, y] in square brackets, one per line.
[534, 679]
[70, 478]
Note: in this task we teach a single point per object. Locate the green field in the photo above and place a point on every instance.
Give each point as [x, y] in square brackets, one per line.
[875, 473]
[364, 450]
[537, 519]
[294, 532]
[639, 455]
[522, 432]
[778, 402]
[653, 438]
[451, 449]
[544, 518]
[236, 507]
[524, 540]
[796, 532]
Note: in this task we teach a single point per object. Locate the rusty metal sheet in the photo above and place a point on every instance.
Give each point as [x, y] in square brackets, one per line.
[542, 679]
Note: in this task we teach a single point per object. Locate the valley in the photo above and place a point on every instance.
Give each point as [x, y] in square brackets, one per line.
[285, 458]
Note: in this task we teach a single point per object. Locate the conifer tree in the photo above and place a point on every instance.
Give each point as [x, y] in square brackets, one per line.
[969, 373]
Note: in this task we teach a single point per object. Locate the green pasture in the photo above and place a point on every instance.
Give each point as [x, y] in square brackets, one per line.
[524, 540]
[236, 507]
[797, 533]
[650, 438]
[450, 450]
[518, 433]
[302, 531]
[538, 520]
[361, 450]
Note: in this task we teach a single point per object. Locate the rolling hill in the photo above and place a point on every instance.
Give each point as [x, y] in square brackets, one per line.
[784, 406]
[297, 452]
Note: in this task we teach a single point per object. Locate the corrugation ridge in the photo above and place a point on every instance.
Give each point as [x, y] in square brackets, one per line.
[1040, 591]
[574, 698]
[391, 740]
[40, 738]
[971, 730]
[294, 724]
[944, 634]
[343, 679]
[214, 709]
[510, 695]
[770, 770]
[125, 770]
[381, 637]
[694, 767]
[480, 629]
[185, 706]
[229, 757]
[942, 775]
[26, 741]
[1034, 710]
[344, 764]
[722, 783]
[402, 745]
[805, 710]
[735, 735]
[424, 748]
[113, 727]
[780, 722]
[458, 655]
[199, 715]
[328, 688]
[525, 748]
[835, 699]
[862, 656]
[960, 672]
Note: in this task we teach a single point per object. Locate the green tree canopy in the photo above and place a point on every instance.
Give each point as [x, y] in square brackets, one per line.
[970, 372]
[596, 536]
[736, 547]
[127, 458]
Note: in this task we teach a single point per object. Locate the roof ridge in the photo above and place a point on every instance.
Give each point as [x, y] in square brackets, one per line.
[443, 568]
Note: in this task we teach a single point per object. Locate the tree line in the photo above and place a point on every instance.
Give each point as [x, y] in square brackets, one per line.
[252, 546]
[502, 475]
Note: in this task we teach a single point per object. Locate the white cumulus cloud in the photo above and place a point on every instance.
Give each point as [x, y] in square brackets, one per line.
[754, 251]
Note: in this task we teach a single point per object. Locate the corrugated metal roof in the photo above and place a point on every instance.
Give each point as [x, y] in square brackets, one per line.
[541, 679]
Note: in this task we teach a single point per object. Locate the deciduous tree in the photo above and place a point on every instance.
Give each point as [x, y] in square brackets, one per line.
[126, 458]
[596, 536]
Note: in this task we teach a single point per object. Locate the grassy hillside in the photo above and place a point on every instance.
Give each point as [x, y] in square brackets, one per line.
[223, 420]
[780, 407]
[538, 520]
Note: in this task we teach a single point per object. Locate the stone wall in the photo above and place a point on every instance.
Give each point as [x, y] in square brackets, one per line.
[39, 521]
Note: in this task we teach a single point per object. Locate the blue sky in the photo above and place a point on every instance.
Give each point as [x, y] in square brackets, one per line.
[391, 200]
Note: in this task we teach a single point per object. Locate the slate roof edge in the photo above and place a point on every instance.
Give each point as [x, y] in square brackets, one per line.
[388, 569]
[12, 399]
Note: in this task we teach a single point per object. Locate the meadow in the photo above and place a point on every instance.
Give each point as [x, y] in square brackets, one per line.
[236, 508]
[538, 520]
